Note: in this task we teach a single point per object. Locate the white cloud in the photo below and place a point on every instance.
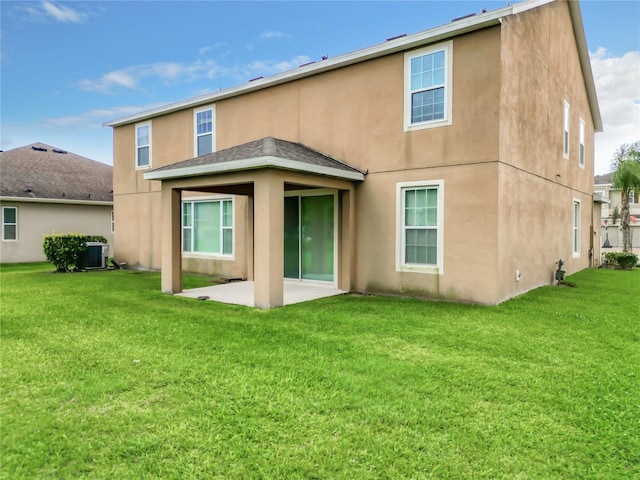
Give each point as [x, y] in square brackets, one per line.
[270, 34]
[167, 72]
[618, 87]
[46, 11]
[171, 73]
[206, 49]
[63, 14]
[93, 118]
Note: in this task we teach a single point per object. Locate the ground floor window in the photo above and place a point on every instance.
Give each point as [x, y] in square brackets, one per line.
[419, 233]
[9, 223]
[576, 228]
[207, 227]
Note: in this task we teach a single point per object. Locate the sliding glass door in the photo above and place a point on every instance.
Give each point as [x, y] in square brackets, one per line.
[309, 237]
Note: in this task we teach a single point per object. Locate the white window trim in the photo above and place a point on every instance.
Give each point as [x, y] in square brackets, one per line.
[582, 152]
[195, 127]
[138, 125]
[575, 227]
[448, 86]
[4, 239]
[210, 198]
[566, 130]
[400, 237]
[113, 221]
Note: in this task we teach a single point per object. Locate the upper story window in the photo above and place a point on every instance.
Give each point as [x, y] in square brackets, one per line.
[204, 141]
[420, 209]
[143, 145]
[428, 87]
[565, 123]
[9, 223]
[581, 146]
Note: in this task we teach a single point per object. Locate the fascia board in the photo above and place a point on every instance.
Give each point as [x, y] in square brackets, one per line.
[55, 200]
[252, 164]
[401, 44]
[585, 63]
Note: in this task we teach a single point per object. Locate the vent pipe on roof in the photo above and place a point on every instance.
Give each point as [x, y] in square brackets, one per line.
[396, 37]
[463, 17]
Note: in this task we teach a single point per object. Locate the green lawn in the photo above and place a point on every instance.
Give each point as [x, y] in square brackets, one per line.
[105, 377]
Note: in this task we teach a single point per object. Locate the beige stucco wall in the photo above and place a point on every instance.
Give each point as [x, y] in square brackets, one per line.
[537, 183]
[508, 191]
[38, 219]
[369, 136]
[470, 235]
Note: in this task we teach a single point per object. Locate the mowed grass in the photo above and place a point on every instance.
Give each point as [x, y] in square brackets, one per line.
[103, 376]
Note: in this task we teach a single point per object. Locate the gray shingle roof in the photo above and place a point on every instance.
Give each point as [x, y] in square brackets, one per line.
[603, 179]
[265, 147]
[40, 171]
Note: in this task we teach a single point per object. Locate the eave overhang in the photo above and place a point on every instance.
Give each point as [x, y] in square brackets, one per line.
[60, 201]
[585, 64]
[252, 164]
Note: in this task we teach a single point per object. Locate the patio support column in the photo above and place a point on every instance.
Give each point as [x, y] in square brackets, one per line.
[347, 240]
[171, 274]
[268, 234]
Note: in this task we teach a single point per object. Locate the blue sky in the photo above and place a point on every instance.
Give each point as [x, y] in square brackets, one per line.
[69, 66]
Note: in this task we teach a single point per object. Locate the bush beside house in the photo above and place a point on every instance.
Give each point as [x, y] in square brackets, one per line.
[66, 251]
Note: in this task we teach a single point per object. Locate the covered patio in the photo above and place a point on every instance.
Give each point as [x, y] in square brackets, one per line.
[264, 171]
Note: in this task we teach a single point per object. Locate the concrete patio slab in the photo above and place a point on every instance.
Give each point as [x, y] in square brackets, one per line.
[241, 293]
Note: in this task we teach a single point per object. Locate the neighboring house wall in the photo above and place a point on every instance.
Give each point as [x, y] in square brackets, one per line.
[613, 230]
[36, 219]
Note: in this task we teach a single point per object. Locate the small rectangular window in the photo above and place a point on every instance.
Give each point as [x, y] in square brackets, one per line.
[581, 147]
[428, 87]
[143, 145]
[207, 227]
[420, 211]
[113, 222]
[9, 223]
[565, 136]
[576, 228]
[204, 122]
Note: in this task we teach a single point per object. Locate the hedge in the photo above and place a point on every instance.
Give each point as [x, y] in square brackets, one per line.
[625, 260]
[66, 250]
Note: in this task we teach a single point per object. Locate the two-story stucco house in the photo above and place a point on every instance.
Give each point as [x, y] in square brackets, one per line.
[455, 163]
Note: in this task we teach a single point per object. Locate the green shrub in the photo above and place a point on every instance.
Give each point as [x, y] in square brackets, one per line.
[625, 260]
[65, 250]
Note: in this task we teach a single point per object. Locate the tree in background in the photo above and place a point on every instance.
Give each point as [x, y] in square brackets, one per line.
[626, 177]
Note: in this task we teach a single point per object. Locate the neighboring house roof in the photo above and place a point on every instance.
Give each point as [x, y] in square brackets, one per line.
[394, 45]
[267, 152]
[40, 172]
[605, 179]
